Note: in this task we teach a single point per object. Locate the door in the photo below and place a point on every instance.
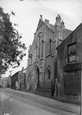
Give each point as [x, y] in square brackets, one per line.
[37, 73]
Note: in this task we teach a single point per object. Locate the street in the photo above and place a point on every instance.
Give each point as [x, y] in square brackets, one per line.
[15, 105]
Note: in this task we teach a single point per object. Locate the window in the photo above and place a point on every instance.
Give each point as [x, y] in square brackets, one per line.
[36, 50]
[40, 44]
[48, 74]
[71, 52]
[42, 49]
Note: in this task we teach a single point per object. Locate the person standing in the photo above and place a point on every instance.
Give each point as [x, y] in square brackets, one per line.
[56, 87]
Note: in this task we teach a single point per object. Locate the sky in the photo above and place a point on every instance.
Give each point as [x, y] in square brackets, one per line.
[27, 14]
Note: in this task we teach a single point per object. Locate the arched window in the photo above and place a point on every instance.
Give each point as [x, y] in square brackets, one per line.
[39, 44]
[42, 49]
[36, 50]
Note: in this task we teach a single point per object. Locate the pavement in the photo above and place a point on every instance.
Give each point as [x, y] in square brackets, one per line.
[67, 99]
[73, 108]
[16, 105]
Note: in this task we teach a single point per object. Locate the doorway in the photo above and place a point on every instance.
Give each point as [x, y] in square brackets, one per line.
[37, 74]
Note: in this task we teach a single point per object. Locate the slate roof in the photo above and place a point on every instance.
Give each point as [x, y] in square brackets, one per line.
[52, 27]
[66, 33]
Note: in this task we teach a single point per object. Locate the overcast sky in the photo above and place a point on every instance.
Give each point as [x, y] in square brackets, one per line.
[27, 14]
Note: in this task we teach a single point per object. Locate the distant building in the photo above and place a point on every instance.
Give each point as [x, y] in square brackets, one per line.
[69, 55]
[14, 80]
[42, 54]
[18, 80]
[22, 79]
[5, 82]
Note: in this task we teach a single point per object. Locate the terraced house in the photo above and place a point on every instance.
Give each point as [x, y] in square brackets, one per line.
[69, 70]
[42, 54]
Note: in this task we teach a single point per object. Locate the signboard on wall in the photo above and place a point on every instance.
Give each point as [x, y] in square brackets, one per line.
[72, 67]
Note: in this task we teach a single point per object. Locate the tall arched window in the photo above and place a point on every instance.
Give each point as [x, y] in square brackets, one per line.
[36, 50]
[42, 49]
[39, 44]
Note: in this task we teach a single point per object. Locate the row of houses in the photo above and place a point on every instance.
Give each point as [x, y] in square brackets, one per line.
[54, 60]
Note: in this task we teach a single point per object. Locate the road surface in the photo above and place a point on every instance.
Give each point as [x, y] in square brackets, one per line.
[16, 105]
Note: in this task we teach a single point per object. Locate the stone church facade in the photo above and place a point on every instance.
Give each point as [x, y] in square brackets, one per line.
[42, 54]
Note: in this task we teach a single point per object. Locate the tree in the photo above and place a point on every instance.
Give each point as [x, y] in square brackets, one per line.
[11, 47]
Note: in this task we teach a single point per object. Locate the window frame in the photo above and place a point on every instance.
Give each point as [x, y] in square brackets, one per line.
[71, 53]
[40, 37]
[42, 45]
[50, 45]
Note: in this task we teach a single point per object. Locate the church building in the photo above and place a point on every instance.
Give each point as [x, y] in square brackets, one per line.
[42, 54]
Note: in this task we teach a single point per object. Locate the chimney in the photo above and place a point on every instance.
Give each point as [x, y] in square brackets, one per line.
[47, 22]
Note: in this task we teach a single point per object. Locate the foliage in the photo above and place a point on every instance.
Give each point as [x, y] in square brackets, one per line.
[11, 47]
